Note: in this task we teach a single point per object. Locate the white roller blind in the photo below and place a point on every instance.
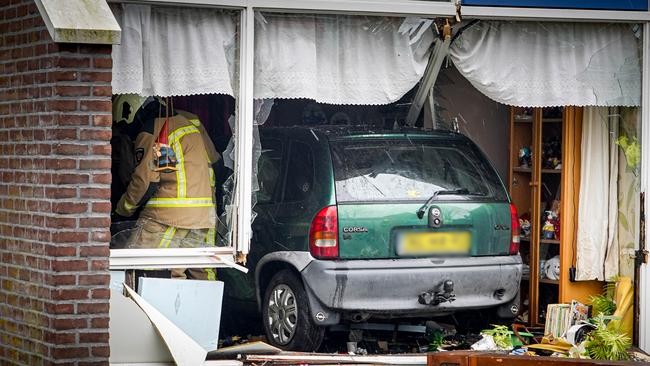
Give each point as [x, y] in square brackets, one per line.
[174, 51]
[544, 64]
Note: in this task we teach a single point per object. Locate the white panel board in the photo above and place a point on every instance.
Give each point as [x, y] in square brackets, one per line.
[193, 306]
[132, 337]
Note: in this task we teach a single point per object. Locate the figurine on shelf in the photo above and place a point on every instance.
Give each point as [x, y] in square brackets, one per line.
[551, 227]
[548, 230]
[525, 157]
[552, 268]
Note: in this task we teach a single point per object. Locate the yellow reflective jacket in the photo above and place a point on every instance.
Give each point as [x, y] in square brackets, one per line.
[184, 198]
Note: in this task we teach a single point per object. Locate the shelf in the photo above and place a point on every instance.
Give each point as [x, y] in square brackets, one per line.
[550, 171]
[550, 282]
[522, 170]
[523, 120]
[524, 238]
[549, 241]
[552, 120]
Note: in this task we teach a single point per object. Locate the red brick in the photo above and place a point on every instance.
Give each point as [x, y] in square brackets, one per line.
[69, 237]
[103, 120]
[93, 222]
[95, 193]
[99, 322]
[102, 178]
[93, 308]
[57, 280]
[102, 91]
[95, 251]
[101, 149]
[96, 76]
[101, 163]
[70, 149]
[101, 207]
[71, 91]
[101, 351]
[69, 323]
[70, 178]
[70, 352]
[102, 293]
[70, 265]
[99, 265]
[69, 207]
[53, 192]
[62, 105]
[73, 62]
[103, 63]
[70, 294]
[101, 236]
[100, 135]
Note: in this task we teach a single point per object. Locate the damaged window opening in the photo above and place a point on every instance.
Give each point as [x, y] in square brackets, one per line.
[174, 138]
[518, 123]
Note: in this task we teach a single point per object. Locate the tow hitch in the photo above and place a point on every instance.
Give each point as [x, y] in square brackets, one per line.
[436, 297]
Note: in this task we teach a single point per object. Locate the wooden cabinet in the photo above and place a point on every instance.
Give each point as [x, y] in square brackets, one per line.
[544, 181]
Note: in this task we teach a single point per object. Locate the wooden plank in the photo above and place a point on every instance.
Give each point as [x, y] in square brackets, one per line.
[473, 358]
[314, 358]
[533, 313]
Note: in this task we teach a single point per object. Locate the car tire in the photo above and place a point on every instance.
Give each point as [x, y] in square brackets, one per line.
[286, 316]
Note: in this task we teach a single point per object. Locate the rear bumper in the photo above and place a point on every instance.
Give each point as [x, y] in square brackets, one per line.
[391, 287]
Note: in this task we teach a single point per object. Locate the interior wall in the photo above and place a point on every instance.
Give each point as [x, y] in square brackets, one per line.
[477, 116]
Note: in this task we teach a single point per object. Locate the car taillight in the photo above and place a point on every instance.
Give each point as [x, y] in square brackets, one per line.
[514, 226]
[324, 234]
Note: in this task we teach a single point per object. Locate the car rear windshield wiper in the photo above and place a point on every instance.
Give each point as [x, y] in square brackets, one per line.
[451, 192]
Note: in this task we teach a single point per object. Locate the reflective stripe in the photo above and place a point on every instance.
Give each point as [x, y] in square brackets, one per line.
[212, 180]
[167, 237]
[195, 122]
[175, 142]
[180, 132]
[181, 181]
[209, 236]
[181, 202]
[128, 206]
[212, 275]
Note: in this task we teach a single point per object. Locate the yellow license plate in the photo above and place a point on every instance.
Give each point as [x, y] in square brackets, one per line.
[453, 242]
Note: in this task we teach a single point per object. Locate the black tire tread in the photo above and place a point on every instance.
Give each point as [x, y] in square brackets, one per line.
[308, 336]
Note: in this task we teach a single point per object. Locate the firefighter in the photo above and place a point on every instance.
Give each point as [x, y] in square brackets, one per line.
[177, 205]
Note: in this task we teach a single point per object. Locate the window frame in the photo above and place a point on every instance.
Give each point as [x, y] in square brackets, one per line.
[242, 231]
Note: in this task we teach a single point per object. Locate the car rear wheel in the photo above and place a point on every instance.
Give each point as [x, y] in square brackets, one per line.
[285, 313]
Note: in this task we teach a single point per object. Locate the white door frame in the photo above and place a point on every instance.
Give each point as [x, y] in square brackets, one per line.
[644, 281]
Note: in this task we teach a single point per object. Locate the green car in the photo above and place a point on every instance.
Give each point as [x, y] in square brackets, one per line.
[353, 225]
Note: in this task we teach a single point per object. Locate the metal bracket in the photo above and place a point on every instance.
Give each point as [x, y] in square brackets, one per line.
[640, 257]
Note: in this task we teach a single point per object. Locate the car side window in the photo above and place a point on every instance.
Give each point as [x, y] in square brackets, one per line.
[269, 170]
[300, 176]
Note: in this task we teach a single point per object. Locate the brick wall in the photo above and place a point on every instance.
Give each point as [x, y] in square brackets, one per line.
[54, 190]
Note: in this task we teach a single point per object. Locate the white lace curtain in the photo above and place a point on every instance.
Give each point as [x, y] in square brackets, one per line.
[339, 59]
[597, 238]
[336, 59]
[174, 51]
[545, 64]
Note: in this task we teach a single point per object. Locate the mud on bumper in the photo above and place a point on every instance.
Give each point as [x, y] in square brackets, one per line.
[392, 286]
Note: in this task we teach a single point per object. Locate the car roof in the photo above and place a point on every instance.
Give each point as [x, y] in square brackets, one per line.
[343, 132]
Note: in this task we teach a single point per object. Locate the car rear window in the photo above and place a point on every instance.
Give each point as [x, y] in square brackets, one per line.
[408, 169]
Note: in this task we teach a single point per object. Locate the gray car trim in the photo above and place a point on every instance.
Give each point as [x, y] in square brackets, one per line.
[348, 286]
[298, 260]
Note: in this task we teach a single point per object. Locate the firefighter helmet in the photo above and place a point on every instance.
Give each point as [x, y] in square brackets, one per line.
[125, 107]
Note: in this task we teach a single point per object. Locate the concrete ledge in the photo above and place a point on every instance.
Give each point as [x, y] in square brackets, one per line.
[80, 21]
